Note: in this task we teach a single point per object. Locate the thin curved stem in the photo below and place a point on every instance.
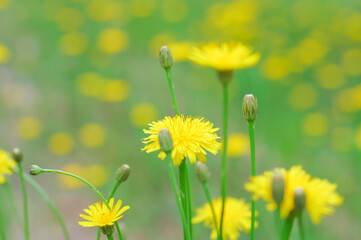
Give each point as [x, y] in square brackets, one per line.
[171, 88]
[209, 198]
[25, 203]
[12, 200]
[183, 193]
[189, 200]
[90, 185]
[253, 171]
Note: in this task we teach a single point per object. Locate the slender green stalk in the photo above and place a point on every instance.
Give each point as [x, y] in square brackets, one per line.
[187, 235]
[90, 185]
[209, 198]
[171, 87]
[25, 203]
[50, 203]
[189, 200]
[253, 171]
[224, 155]
[278, 223]
[116, 185]
[110, 237]
[300, 226]
[12, 200]
[288, 226]
[2, 226]
[183, 192]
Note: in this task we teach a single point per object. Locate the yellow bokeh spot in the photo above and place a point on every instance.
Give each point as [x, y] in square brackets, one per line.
[330, 77]
[112, 41]
[73, 44]
[115, 91]
[238, 145]
[142, 8]
[315, 124]
[180, 50]
[92, 135]
[311, 51]
[69, 19]
[341, 139]
[174, 10]
[96, 173]
[353, 27]
[351, 62]
[158, 41]
[4, 4]
[90, 84]
[107, 10]
[303, 96]
[143, 113]
[4, 54]
[358, 138]
[61, 143]
[29, 128]
[349, 100]
[275, 68]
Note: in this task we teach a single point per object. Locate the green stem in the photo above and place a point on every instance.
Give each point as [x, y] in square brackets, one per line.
[110, 237]
[116, 185]
[25, 202]
[300, 226]
[10, 194]
[209, 198]
[183, 192]
[253, 170]
[171, 87]
[278, 223]
[189, 203]
[2, 225]
[90, 185]
[224, 155]
[182, 212]
[288, 226]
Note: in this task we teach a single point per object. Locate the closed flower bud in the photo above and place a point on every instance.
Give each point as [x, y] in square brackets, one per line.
[107, 229]
[165, 57]
[35, 170]
[278, 188]
[123, 173]
[165, 140]
[250, 107]
[202, 172]
[17, 155]
[300, 199]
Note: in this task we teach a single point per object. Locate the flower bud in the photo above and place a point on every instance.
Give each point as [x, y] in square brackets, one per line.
[35, 170]
[123, 173]
[165, 140]
[250, 107]
[107, 229]
[300, 199]
[202, 172]
[165, 57]
[17, 155]
[278, 188]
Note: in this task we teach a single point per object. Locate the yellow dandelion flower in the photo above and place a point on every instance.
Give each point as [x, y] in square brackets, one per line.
[7, 165]
[321, 196]
[237, 217]
[191, 138]
[224, 56]
[100, 215]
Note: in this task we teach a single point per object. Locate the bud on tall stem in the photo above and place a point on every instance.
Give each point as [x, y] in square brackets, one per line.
[250, 107]
[165, 57]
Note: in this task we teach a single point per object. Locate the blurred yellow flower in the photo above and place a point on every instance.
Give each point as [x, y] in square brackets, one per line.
[341, 139]
[276, 68]
[97, 174]
[315, 124]
[61, 143]
[225, 56]
[143, 113]
[7, 165]
[191, 138]
[353, 26]
[107, 10]
[351, 62]
[73, 44]
[69, 19]
[321, 195]
[115, 90]
[99, 215]
[90, 84]
[303, 96]
[112, 40]
[142, 8]
[238, 145]
[4, 4]
[92, 135]
[237, 217]
[180, 50]
[358, 138]
[4, 54]
[349, 100]
[311, 51]
[174, 10]
[29, 128]
[330, 77]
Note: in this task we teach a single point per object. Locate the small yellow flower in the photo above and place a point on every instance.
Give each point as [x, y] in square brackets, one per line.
[191, 138]
[237, 217]
[100, 215]
[321, 195]
[225, 56]
[7, 165]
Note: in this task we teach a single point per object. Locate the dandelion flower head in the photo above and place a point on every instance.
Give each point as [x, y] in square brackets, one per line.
[7, 165]
[237, 217]
[225, 56]
[321, 195]
[192, 137]
[100, 215]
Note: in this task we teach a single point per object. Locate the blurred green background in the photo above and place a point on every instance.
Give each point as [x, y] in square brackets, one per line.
[80, 79]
